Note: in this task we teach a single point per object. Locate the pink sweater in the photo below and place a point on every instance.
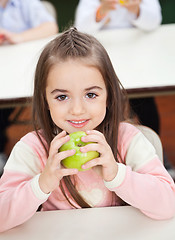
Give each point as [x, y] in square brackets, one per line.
[142, 181]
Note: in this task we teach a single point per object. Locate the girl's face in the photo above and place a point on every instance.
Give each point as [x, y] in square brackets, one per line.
[76, 96]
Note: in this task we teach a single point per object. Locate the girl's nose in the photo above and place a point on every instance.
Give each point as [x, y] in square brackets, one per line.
[77, 107]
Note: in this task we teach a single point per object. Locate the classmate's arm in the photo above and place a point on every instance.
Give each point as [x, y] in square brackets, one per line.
[85, 16]
[149, 16]
[104, 8]
[43, 30]
[143, 182]
[132, 6]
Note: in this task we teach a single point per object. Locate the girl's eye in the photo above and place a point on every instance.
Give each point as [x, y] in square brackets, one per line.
[91, 95]
[62, 97]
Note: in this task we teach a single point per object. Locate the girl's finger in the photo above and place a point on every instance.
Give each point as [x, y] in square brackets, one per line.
[67, 172]
[57, 142]
[59, 136]
[92, 147]
[94, 132]
[62, 155]
[97, 138]
[92, 163]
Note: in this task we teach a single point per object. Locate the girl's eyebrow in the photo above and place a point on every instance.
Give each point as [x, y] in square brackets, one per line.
[65, 91]
[93, 87]
[59, 90]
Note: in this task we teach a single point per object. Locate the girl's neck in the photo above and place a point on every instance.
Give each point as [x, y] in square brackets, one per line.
[3, 3]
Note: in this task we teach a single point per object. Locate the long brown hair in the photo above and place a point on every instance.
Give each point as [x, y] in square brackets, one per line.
[73, 44]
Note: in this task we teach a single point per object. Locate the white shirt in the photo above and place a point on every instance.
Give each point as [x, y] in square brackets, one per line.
[85, 18]
[21, 15]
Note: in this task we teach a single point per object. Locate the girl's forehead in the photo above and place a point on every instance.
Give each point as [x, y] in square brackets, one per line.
[73, 73]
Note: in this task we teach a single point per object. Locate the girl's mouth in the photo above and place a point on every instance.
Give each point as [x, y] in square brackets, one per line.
[78, 123]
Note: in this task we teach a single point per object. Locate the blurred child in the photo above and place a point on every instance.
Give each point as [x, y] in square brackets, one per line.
[21, 21]
[94, 15]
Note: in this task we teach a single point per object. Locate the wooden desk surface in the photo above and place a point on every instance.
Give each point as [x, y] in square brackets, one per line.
[125, 223]
[143, 61]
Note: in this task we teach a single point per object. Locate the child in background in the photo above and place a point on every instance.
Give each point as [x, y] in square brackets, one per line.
[76, 88]
[94, 15]
[21, 21]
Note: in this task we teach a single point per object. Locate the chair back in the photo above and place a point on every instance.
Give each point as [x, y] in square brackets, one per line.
[153, 137]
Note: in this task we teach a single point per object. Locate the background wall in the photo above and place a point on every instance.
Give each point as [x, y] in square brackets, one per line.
[66, 10]
[168, 11]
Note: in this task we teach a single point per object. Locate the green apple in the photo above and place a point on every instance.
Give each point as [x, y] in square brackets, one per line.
[79, 158]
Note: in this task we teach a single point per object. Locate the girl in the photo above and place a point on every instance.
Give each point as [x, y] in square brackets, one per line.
[76, 88]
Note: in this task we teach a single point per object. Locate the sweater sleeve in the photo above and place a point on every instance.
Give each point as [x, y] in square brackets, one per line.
[20, 194]
[150, 15]
[85, 16]
[144, 182]
[35, 13]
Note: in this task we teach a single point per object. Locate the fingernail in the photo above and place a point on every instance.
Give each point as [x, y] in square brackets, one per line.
[82, 149]
[72, 151]
[82, 138]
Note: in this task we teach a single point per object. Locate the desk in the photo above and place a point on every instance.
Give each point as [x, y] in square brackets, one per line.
[18, 63]
[144, 63]
[112, 223]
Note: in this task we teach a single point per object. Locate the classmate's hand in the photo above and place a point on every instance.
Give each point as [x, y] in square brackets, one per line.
[2, 38]
[132, 6]
[106, 6]
[12, 38]
[106, 160]
[54, 171]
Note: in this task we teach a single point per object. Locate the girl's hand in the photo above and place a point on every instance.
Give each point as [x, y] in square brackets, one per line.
[106, 160]
[132, 6]
[54, 171]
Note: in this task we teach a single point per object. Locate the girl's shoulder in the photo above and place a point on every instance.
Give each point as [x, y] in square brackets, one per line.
[33, 141]
[127, 130]
[28, 156]
[125, 135]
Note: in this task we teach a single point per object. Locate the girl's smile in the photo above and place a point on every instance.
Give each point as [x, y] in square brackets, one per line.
[76, 96]
[78, 123]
